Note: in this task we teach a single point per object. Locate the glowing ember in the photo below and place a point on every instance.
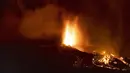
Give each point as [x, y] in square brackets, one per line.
[105, 59]
[110, 61]
[122, 59]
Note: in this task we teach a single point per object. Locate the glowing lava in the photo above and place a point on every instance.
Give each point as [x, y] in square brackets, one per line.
[106, 58]
[71, 34]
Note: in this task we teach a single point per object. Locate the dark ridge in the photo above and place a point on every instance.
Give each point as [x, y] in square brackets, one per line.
[27, 58]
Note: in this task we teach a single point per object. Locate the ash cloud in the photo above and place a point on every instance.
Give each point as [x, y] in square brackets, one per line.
[40, 23]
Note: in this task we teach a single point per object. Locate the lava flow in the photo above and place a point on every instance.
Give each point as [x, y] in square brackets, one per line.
[72, 38]
[105, 59]
[110, 61]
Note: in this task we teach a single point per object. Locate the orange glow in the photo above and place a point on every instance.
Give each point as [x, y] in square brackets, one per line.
[71, 34]
[106, 58]
[121, 59]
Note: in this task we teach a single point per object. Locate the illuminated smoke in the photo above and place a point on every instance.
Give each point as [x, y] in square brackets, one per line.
[43, 22]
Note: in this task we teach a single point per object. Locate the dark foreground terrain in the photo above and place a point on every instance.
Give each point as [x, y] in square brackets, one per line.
[41, 57]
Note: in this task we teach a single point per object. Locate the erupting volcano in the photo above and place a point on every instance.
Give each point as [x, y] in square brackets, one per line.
[72, 39]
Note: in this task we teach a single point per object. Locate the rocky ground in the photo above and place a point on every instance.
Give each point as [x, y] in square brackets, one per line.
[25, 57]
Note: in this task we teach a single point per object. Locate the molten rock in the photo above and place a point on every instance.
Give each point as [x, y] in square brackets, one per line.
[95, 60]
[110, 62]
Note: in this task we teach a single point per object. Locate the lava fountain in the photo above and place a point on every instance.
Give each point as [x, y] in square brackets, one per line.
[72, 34]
